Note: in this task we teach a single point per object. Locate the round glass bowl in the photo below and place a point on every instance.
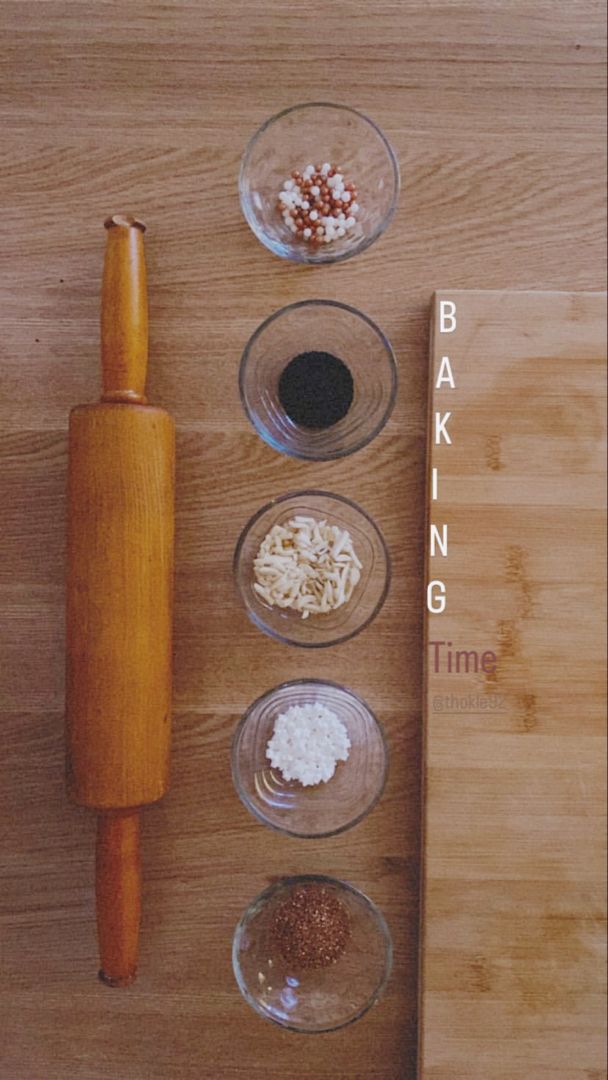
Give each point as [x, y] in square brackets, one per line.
[316, 1000]
[323, 326]
[323, 809]
[369, 594]
[309, 134]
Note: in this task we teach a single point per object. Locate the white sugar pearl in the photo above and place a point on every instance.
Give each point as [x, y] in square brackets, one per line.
[325, 168]
[293, 227]
[339, 179]
[327, 239]
[331, 181]
[309, 170]
[346, 196]
[305, 204]
[354, 207]
[315, 190]
[350, 221]
[313, 215]
[341, 231]
[307, 234]
[289, 185]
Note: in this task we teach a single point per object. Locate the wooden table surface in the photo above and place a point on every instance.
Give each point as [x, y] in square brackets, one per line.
[496, 112]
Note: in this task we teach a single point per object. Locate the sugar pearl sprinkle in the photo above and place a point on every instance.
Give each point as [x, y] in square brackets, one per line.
[319, 205]
[307, 743]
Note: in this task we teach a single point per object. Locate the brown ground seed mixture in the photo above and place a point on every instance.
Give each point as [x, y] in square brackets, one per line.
[311, 927]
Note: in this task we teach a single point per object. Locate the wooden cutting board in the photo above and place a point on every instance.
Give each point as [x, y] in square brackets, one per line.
[514, 877]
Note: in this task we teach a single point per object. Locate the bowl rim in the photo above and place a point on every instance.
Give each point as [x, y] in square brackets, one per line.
[367, 903]
[250, 806]
[252, 614]
[302, 257]
[390, 356]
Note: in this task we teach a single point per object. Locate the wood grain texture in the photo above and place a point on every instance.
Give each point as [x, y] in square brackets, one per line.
[497, 116]
[513, 961]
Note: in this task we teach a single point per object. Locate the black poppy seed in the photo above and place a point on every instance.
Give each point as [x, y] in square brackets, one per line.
[316, 389]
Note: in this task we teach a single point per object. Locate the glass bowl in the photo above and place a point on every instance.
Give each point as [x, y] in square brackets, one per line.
[286, 624]
[312, 1000]
[318, 132]
[322, 326]
[323, 809]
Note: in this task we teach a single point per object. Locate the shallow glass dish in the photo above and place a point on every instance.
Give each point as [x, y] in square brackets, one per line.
[312, 1001]
[369, 594]
[314, 133]
[323, 809]
[323, 326]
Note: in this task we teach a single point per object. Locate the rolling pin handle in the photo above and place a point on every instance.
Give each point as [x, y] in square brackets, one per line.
[124, 312]
[118, 892]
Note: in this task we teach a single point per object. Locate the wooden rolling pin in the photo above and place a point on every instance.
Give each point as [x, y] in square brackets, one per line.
[119, 600]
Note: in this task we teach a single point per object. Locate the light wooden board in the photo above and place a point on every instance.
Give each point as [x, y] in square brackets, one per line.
[513, 959]
[497, 114]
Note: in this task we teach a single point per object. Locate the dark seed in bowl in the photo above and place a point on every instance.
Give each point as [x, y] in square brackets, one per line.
[316, 389]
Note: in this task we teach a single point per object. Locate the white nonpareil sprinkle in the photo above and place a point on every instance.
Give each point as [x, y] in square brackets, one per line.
[307, 565]
[307, 743]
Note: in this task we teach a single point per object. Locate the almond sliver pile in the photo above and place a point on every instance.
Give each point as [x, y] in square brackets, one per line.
[307, 565]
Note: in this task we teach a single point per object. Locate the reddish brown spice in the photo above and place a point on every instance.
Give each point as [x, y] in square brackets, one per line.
[311, 927]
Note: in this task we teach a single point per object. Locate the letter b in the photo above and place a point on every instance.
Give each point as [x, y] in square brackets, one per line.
[447, 316]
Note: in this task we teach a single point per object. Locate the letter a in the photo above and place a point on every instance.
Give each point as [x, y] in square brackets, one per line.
[445, 374]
